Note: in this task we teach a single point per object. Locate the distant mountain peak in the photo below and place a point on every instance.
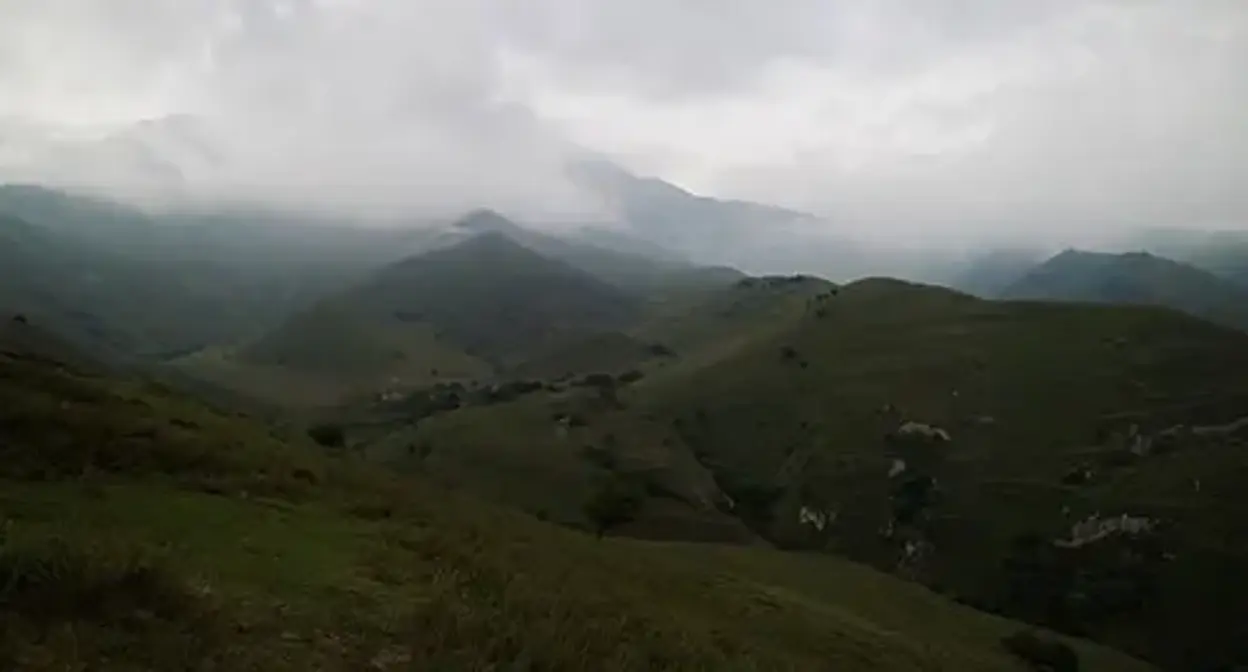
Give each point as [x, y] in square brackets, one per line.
[492, 243]
[485, 220]
[704, 229]
[1137, 277]
[471, 250]
[486, 299]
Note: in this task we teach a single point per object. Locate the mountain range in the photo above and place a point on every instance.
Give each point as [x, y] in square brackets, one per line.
[469, 427]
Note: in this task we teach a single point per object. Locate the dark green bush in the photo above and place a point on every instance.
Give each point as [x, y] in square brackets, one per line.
[612, 505]
[660, 350]
[57, 581]
[600, 457]
[1042, 653]
[328, 435]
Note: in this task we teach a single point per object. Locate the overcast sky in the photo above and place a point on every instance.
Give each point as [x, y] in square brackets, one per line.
[882, 115]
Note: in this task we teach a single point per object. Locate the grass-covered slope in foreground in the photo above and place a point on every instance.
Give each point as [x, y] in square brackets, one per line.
[955, 441]
[1123, 429]
[144, 531]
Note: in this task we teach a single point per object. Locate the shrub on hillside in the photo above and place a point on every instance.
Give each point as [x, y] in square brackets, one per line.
[611, 506]
[911, 497]
[600, 457]
[510, 391]
[420, 451]
[1042, 653]
[328, 435]
[53, 582]
[599, 380]
[755, 499]
[660, 350]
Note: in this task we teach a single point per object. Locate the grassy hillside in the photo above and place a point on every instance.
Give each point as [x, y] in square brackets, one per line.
[495, 297]
[102, 302]
[144, 531]
[552, 449]
[470, 311]
[1135, 278]
[196, 288]
[161, 285]
[1032, 422]
[1054, 413]
[697, 321]
[1074, 465]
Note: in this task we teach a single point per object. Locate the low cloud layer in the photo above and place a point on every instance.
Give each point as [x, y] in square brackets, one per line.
[933, 117]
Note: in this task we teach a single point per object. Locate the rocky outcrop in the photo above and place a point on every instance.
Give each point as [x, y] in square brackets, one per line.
[918, 430]
[816, 518]
[897, 467]
[1237, 428]
[1095, 528]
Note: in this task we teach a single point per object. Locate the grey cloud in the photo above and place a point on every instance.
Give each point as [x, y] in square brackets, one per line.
[1100, 118]
[714, 47]
[934, 116]
[389, 107]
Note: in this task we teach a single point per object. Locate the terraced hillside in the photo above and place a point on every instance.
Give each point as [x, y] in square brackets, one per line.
[1077, 465]
[142, 530]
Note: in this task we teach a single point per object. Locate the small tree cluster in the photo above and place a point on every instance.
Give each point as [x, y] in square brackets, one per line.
[611, 506]
[629, 377]
[328, 435]
[1041, 652]
[660, 350]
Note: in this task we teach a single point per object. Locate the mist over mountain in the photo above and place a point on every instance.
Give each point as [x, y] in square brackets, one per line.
[490, 334]
[983, 126]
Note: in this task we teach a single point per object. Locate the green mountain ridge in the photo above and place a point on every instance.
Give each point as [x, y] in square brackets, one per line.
[103, 302]
[504, 284]
[827, 431]
[1134, 278]
[226, 277]
[465, 312]
[1223, 253]
[160, 286]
